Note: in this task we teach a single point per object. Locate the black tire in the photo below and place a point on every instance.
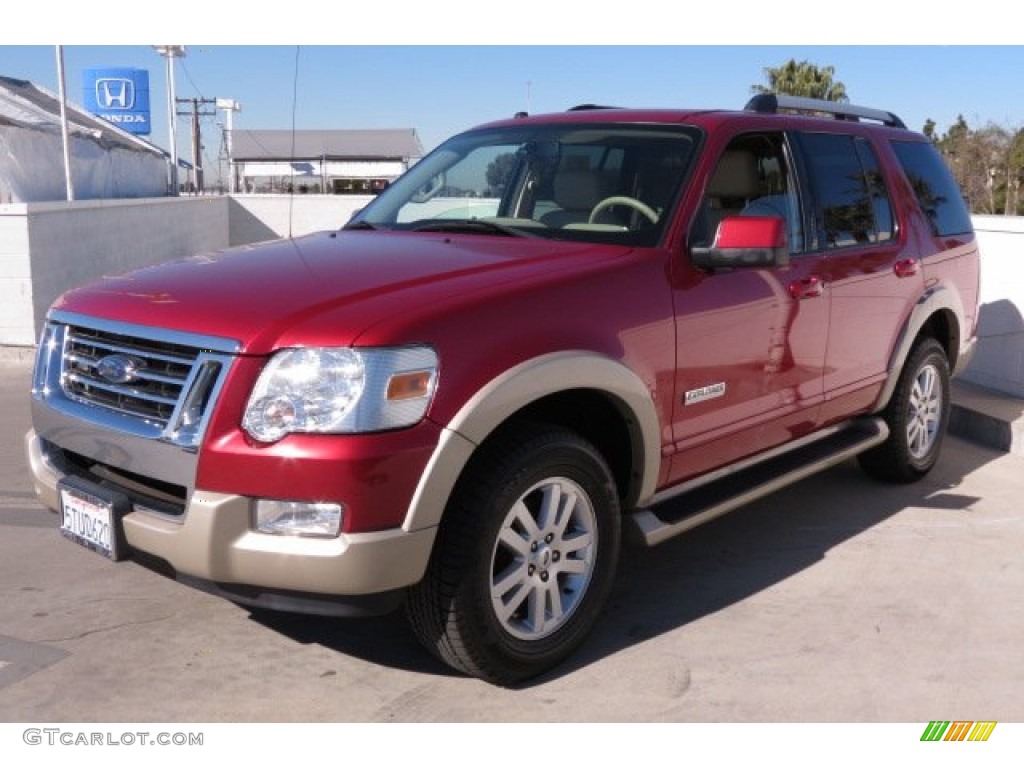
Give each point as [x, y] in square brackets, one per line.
[917, 415]
[508, 594]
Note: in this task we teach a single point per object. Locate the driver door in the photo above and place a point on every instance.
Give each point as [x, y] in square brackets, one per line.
[751, 341]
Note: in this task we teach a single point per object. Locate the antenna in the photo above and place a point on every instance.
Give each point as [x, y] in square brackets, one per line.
[295, 99]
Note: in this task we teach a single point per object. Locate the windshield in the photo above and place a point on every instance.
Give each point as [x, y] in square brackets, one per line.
[598, 182]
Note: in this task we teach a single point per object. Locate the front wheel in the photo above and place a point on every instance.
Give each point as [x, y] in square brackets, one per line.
[917, 415]
[524, 559]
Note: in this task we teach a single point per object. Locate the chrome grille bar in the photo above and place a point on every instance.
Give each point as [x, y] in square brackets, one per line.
[149, 382]
[91, 340]
[151, 390]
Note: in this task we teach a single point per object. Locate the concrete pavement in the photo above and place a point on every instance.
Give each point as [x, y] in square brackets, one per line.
[835, 600]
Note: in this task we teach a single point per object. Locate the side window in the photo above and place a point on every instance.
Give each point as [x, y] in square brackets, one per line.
[753, 177]
[882, 208]
[936, 189]
[851, 203]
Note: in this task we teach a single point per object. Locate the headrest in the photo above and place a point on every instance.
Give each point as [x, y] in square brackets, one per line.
[579, 190]
[736, 175]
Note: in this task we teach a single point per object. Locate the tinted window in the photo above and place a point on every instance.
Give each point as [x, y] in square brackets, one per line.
[884, 229]
[936, 189]
[851, 204]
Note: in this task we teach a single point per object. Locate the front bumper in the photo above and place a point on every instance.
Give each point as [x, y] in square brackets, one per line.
[213, 544]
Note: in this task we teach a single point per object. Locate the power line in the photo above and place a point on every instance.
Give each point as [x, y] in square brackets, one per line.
[188, 76]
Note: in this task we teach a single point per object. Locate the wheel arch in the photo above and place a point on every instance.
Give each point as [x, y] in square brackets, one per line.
[938, 314]
[595, 396]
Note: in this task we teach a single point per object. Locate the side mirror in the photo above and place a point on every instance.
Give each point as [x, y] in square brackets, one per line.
[745, 241]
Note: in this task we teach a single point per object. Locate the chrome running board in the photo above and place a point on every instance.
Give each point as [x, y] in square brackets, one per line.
[739, 484]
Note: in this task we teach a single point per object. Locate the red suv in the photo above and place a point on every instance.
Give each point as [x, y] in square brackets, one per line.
[545, 329]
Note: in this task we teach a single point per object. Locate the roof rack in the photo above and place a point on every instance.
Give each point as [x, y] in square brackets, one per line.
[771, 103]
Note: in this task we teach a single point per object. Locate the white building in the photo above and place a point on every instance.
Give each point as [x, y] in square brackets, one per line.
[323, 161]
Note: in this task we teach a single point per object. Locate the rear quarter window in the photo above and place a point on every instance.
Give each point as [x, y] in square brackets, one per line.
[937, 191]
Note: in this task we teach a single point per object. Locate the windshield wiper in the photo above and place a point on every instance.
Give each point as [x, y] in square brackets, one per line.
[471, 226]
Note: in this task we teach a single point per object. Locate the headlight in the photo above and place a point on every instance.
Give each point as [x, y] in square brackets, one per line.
[340, 390]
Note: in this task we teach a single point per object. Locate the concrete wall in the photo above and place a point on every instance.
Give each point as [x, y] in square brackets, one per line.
[46, 248]
[999, 361]
[16, 326]
[254, 218]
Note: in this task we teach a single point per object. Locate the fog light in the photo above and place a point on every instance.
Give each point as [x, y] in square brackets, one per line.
[298, 518]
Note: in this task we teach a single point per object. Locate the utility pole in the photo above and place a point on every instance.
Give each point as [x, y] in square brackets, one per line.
[197, 144]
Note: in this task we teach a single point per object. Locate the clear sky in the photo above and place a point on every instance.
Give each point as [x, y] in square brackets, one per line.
[472, 63]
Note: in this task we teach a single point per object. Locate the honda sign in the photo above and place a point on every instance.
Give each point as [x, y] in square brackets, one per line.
[119, 96]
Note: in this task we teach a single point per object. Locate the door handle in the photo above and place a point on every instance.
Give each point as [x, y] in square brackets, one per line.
[807, 288]
[906, 267]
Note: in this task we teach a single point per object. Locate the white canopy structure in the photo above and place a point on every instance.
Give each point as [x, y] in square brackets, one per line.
[106, 162]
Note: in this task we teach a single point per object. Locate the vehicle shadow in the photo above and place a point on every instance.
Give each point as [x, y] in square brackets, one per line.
[1000, 339]
[760, 546]
[384, 640]
[702, 572]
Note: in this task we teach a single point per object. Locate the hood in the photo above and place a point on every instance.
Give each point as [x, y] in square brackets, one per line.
[258, 295]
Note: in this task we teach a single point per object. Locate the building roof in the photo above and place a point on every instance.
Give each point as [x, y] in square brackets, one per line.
[386, 144]
[25, 105]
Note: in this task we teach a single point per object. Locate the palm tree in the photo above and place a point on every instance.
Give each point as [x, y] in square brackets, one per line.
[803, 79]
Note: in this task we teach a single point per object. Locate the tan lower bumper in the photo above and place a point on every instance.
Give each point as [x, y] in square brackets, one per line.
[214, 542]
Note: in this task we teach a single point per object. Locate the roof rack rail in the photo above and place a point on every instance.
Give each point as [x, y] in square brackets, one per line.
[585, 107]
[771, 103]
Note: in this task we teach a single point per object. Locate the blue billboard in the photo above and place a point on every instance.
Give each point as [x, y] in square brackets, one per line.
[119, 96]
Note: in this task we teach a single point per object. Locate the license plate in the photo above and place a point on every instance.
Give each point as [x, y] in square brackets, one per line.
[90, 520]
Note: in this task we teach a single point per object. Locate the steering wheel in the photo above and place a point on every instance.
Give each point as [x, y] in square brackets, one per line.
[631, 202]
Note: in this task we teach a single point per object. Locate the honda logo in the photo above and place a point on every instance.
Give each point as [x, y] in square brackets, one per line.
[115, 93]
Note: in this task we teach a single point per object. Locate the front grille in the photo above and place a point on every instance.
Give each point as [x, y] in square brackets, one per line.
[160, 373]
[160, 385]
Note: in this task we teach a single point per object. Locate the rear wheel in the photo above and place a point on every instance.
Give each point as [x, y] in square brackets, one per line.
[917, 415]
[524, 560]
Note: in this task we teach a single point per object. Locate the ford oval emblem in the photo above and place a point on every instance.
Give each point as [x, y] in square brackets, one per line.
[119, 369]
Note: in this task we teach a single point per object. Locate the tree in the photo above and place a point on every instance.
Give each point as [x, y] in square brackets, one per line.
[988, 164]
[803, 79]
[1015, 174]
[499, 172]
